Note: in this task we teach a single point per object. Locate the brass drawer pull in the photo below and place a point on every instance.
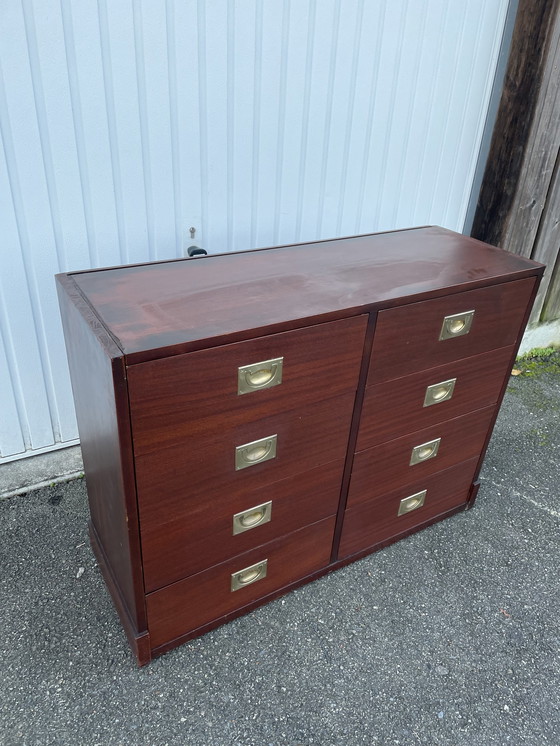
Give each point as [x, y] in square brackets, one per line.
[407, 504]
[439, 392]
[257, 376]
[249, 575]
[256, 452]
[424, 451]
[456, 325]
[252, 517]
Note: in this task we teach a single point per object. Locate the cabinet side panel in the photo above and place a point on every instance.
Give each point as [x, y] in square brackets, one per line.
[99, 386]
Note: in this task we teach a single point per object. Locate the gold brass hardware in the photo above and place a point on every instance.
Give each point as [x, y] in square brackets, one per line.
[407, 504]
[439, 392]
[456, 325]
[257, 376]
[256, 452]
[424, 451]
[249, 575]
[252, 517]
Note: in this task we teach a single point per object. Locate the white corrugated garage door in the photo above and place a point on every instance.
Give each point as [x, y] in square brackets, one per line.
[126, 122]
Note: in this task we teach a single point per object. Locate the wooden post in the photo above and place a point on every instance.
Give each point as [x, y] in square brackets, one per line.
[516, 114]
[519, 200]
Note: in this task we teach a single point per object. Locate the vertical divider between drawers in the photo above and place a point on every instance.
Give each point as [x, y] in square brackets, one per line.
[354, 427]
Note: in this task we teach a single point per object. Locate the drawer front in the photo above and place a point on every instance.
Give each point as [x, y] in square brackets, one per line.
[396, 407]
[188, 604]
[184, 533]
[377, 520]
[407, 339]
[204, 462]
[415, 456]
[244, 381]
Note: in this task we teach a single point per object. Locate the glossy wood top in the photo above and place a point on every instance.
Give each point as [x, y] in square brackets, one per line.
[176, 306]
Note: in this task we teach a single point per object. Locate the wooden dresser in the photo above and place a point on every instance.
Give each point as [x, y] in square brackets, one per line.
[250, 421]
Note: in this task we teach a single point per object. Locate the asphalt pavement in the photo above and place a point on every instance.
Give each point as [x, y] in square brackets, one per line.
[450, 637]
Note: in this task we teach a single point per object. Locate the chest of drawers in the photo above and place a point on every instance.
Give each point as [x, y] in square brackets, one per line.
[251, 421]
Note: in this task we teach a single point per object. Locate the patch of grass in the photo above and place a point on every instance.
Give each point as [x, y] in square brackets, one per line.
[538, 361]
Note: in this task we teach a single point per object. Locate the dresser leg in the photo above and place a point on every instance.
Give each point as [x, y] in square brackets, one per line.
[139, 641]
[472, 494]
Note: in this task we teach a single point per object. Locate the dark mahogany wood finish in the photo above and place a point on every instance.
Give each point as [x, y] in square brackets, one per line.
[190, 603]
[407, 338]
[384, 467]
[167, 395]
[154, 310]
[202, 458]
[154, 351]
[354, 429]
[184, 532]
[394, 407]
[376, 520]
[100, 396]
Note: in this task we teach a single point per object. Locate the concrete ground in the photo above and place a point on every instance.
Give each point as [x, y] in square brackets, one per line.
[450, 637]
[25, 474]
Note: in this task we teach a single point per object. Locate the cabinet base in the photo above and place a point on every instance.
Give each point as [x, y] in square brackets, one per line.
[472, 494]
[139, 641]
[160, 650]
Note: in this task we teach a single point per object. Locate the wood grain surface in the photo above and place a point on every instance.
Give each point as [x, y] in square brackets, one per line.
[185, 532]
[407, 339]
[385, 467]
[139, 640]
[511, 138]
[167, 308]
[396, 407]
[202, 457]
[101, 400]
[190, 603]
[376, 520]
[167, 396]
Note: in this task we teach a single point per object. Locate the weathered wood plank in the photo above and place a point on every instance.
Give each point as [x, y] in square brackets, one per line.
[519, 103]
[546, 246]
[551, 308]
[540, 157]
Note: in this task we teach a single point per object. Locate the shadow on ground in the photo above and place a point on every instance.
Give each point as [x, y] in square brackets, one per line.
[450, 637]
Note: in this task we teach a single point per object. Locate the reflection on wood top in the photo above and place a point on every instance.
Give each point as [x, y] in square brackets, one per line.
[175, 306]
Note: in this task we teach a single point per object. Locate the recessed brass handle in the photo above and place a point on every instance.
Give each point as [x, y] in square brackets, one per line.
[439, 392]
[263, 375]
[424, 451]
[249, 575]
[255, 452]
[407, 504]
[252, 517]
[456, 325]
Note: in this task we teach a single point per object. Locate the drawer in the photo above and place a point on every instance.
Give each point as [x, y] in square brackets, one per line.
[407, 339]
[184, 606]
[183, 534]
[204, 461]
[396, 407]
[277, 373]
[415, 456]
[377, 520]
